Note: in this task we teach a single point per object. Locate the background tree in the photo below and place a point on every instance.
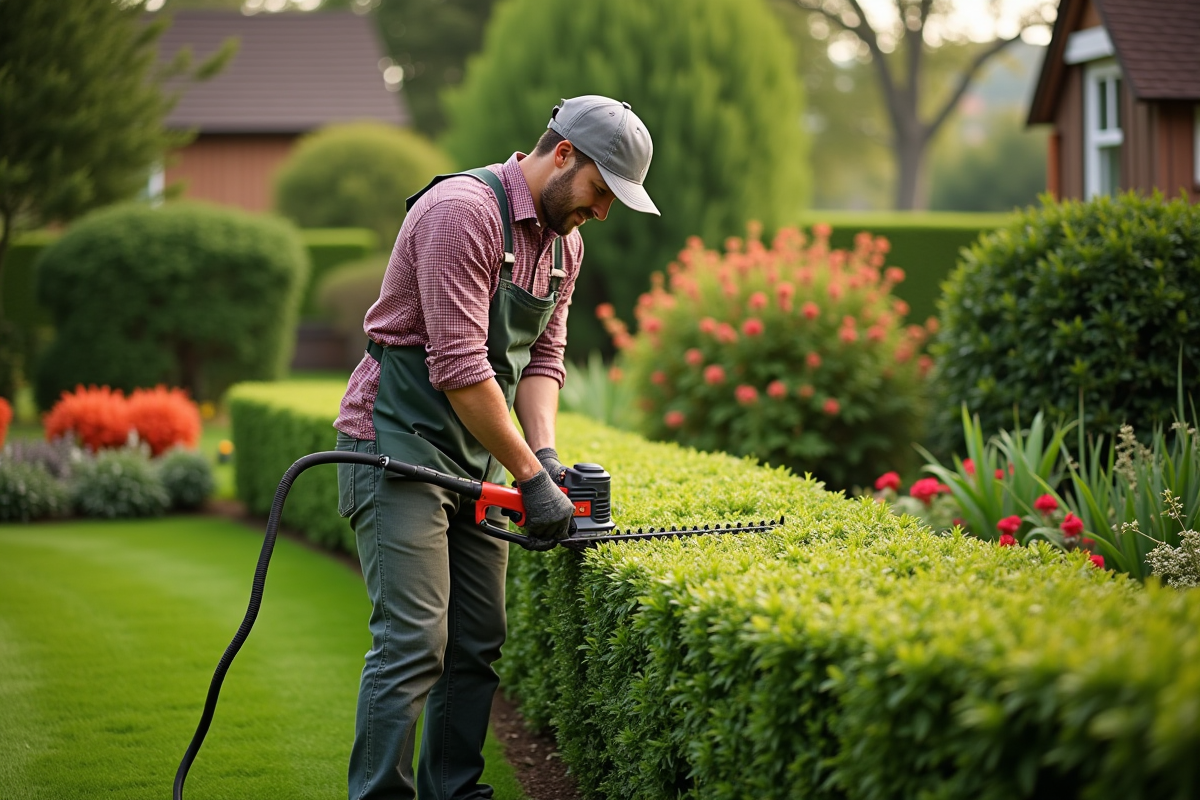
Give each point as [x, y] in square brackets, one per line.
[81, 114]
[715, 82]
[902, 41]
[1005, 170]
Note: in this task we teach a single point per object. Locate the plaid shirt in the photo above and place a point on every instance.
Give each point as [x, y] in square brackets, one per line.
[440, 280]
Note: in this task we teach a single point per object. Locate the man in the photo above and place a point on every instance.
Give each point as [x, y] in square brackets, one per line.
[470, 323]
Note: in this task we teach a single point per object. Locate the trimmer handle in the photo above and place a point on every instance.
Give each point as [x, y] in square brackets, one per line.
[509, 501]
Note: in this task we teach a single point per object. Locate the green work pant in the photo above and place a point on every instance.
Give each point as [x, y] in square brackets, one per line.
[436, 584]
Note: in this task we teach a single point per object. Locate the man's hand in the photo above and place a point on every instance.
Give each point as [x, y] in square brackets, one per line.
[549, 460]
[548, 512]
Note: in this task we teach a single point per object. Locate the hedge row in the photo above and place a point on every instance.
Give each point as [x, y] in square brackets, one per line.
[272, 425]
[850, 653]
[925, 245]
[327, 247]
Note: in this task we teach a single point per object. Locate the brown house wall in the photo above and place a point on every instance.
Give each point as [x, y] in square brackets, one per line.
[1068, 125]
[1138, 153]
[231, 169]
[1176, 142]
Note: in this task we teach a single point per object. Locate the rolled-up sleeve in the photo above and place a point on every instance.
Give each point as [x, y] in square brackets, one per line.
[456, 249]
[546, 354]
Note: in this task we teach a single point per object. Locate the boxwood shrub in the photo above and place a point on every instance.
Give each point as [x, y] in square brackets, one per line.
[183, 295]
[1092, 300]
[850, 653]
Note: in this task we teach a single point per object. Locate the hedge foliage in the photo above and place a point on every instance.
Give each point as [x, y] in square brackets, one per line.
[329, 248]
[272, 425]
[185, 295]
[849, 654]
[925, 244]
[727, 119]
[356, 174]
[1076, 301]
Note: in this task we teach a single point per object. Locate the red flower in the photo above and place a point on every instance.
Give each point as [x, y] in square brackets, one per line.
[1087, 543]
[752, 326]
[928, 488]
[893, 275]
[1072, 525]
[1097, 561]
[725, 333]
[714, 374]
[1007, 540]
[746, 394]
[888, 480]
[1046, 504]
[164, 418]
[831, 407]
[777, 390]
[605, 311]
[848, 335]
[708, 325]
[757, 300]
[811, 311]
[97, 417]
[968, 466]
[1009, 525]
[615, 374]
[876, 333]
[673, 419]
[651, 324]
[806, 391]
[1000, 472]
[6, 416]
[694, 357]
[658, 377]
[813, 360]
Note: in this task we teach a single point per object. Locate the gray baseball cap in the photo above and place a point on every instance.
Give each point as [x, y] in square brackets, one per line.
[609, 133]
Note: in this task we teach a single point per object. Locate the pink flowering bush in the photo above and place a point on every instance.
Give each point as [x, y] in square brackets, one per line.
[794, 353]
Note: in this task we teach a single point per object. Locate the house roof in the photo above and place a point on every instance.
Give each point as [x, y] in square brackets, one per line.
[292, 72]
[1157, 43]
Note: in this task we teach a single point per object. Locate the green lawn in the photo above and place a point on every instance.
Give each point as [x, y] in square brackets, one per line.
[109, 632]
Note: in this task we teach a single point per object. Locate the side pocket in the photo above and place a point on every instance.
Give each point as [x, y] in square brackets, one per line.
[345, 477]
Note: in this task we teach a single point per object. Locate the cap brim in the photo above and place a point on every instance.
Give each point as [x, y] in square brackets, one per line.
[630, 193]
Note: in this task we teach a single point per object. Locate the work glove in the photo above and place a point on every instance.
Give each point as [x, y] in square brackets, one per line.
[548, 512]
[549, 458]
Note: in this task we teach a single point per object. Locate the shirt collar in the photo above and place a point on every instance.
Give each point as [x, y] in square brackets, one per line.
[520, 199]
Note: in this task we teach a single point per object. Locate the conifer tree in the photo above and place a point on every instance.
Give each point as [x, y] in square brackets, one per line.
[715, 82]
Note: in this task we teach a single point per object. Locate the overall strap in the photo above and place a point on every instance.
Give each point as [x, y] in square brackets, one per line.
[558, 273]
[493, 182]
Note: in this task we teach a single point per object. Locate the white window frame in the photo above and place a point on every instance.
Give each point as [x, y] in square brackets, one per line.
[1105, 72]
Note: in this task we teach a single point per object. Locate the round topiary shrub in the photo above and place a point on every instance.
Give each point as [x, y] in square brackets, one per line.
[795, 354]
[118, 483]
[183, 295]
[1096, 298]
[356, 175]
[188, 478]
[28, 492]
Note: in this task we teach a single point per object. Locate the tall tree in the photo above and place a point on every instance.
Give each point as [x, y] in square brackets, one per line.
[81, 108]
[900, 46]
[431, 41]
[714, 81]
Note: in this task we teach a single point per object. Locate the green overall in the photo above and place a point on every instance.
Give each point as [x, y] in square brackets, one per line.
[436, 582]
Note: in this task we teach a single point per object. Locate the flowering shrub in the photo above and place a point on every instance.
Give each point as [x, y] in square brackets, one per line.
[164, 418]
[100, 417]
[97, 417]
[796, 354]
[6, 416]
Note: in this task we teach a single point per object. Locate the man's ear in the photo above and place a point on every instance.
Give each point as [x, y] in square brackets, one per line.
[564, 153]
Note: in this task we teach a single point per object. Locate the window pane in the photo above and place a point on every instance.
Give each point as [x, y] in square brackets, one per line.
[1116, 103]
[1102, 105]
[1110, 170]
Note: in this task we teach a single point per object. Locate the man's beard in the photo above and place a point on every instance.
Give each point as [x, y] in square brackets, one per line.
[558, 202]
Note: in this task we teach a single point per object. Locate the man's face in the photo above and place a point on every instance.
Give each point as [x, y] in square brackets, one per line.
[574, 195]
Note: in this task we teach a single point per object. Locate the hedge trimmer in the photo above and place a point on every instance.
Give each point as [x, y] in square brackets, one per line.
[588, 486]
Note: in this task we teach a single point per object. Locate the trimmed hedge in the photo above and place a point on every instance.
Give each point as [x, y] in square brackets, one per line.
[327, 248]
[925, 245]
[849, 654]
[272, 425]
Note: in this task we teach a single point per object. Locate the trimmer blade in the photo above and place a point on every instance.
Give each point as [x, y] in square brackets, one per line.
[583, 541]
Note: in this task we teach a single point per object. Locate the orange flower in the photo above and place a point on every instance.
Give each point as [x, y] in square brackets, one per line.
[96, 417]
[605, 311]
[6, 416]
[164, 418]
